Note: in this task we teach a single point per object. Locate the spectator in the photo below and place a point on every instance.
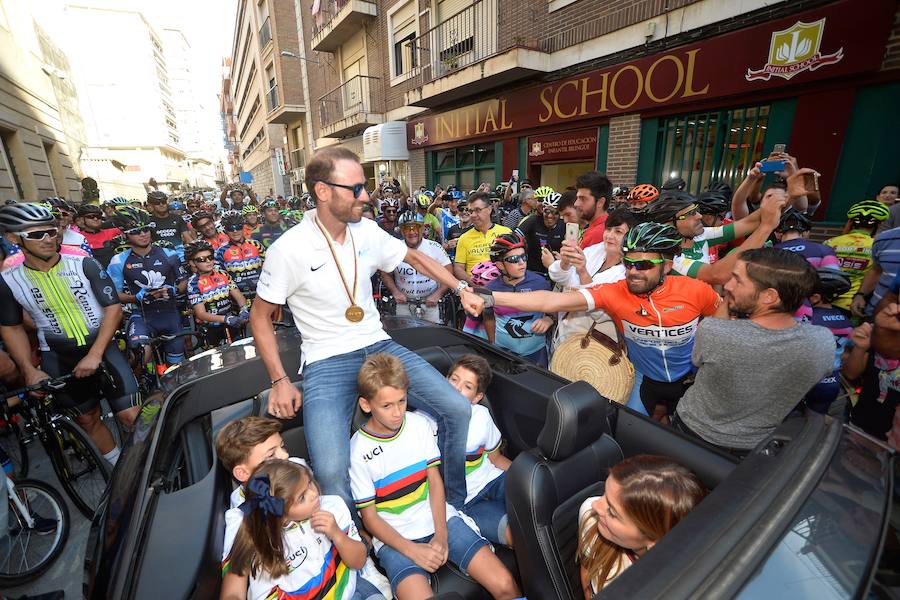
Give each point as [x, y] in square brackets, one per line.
[644, 498]
[765, 359]
[525, 207]
[474, 245]
[854, 249]
[592, 199]
[567, 211]
[888, 197]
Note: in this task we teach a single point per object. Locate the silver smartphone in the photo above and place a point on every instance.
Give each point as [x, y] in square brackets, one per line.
[572, 231]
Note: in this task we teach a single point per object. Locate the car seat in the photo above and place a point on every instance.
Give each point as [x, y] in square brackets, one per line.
[545, 487]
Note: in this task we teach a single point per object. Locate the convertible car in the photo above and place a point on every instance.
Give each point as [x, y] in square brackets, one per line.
[811, 513]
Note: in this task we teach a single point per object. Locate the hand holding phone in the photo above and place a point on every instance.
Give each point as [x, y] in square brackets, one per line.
[572, 230]
[771, 166]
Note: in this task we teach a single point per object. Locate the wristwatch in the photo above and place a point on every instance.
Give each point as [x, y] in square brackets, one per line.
[486, 295]
[460, 286]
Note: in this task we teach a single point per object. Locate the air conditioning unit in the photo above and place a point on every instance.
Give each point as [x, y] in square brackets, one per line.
[385, 142]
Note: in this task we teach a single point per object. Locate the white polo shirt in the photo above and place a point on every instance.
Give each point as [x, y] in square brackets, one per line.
[300, 271]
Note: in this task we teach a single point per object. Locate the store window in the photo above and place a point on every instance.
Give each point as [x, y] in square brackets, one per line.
[8, 162]
[466, 166]
[701, 147]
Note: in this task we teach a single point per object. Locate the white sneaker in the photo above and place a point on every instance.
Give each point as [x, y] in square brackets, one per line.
[371, 574]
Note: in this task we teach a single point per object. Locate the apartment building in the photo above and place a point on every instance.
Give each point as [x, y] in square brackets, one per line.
[41, 133]
[267, 94]
[231, 173]
[640, 89]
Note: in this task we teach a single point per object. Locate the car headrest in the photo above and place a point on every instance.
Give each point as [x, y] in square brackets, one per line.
[437, 357]
[577, 415]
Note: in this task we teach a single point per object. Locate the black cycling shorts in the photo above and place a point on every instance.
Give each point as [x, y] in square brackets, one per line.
[667, 393]
[83, 395]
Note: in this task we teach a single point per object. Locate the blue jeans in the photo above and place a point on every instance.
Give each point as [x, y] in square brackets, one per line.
[488, 510]
[365, 590]
[462, 545]
[329, 401]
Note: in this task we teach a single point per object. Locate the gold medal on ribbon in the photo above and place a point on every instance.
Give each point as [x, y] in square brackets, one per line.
[354, 312]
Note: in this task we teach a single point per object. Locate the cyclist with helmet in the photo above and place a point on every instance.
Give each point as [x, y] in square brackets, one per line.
[390, 208]
[65, 216]
[239, 257]
[96, 235]
[273, 225]
[456, 231]
[433, 228]
[522, 332]
[167, 226]
[474, 245]
[544, 232]
[831, 284]
[193, 204]
[446, 209]
[148, 277]
[236, 194]
[713, 205]
[204, 225]
[657, 315]
[682, 211]
[854, 248]
[76, 311]
[213, 295]
[251, 219]
[406, 283]
[640, 196]
[620, 196]
[793, 229]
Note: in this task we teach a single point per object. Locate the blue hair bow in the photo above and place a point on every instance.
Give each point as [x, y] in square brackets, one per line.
[261, 499]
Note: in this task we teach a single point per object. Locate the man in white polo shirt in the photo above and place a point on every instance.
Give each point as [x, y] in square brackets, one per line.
[322, 269]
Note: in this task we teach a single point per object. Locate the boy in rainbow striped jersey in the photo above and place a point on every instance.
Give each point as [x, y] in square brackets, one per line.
[400, 493]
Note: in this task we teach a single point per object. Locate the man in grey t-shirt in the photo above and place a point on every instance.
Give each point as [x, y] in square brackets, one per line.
[755, 369]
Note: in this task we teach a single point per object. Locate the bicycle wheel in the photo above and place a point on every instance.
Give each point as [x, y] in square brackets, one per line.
[81, 469]
[13, 444]
[29, 551]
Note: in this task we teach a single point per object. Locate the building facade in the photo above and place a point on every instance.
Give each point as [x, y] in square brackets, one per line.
[41, 133]
[266, 85]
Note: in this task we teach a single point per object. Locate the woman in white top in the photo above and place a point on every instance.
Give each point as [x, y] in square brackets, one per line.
[644, 498]
[600, 263]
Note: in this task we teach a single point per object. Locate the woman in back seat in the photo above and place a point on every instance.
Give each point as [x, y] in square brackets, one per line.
[644, 498]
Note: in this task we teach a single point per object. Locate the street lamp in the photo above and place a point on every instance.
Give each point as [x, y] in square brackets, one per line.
[290, 54]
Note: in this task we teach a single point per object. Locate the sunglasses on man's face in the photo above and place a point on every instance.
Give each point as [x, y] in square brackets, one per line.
[690, 213]
[138, 230]
[551, 212]
[233, 228]
[641, 264]
[39, 234]
[98, 217]
[356, 188]
[518, 258]
[203, 259]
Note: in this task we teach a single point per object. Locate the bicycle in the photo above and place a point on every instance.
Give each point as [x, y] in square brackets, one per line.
[12, 441]
[38, 531]
[81, 469]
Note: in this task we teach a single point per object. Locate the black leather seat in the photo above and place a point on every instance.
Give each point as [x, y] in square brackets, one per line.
[546, 486]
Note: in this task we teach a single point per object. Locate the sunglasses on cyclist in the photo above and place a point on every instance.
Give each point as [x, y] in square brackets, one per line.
[233, 228]
[551, 211]
[138, 230]
[511, 260]
[465, 211]
[98, 217]
[693, 210]
[203, 259]
[39, 234]
[641, 264]
[356, 188]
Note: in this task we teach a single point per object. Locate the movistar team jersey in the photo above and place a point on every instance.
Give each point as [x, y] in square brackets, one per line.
[66, 303]
[160, 267]
[816, 254]
[266, 234]
[692, 259]
[243, 263]
[213, 291]
[854, 251]
[659, 327]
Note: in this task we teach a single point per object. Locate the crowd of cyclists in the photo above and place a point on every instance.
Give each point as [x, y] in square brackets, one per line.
[797, 326]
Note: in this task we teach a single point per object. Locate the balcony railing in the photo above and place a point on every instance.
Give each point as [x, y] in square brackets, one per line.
[272, 95]
[360, 94]
[298, 158]
[265, 33]
[337, 20]
[465, 38]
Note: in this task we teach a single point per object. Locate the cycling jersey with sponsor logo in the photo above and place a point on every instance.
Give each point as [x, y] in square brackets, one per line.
[243, 263]
[854, 251]
[816, 254]
[659, 327]
[66, 303]
[132, 272]
[213, 290]
[415, 285]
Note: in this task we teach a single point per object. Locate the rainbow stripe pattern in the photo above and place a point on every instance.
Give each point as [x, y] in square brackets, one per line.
[402, 489]
[330, 584]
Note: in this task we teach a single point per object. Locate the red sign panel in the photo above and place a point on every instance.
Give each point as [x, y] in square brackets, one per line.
[822, 43]
[561, 147]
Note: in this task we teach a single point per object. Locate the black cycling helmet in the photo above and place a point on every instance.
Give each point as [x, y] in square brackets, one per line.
[669, 204]
[232, 220]
[118, 244]
[653, 237]
[673, 183]
[192, 249]
[164, 244]
[831, 283]
[712, 203]
[199, 216]
[794, 219]
[18, 217]
[128, 217]
[723, 188]
[89, 209]
[157, 196]
[506, 242]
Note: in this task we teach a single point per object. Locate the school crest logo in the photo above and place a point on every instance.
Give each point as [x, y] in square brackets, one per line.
[536, 149]
[420, 136]
[795, 50]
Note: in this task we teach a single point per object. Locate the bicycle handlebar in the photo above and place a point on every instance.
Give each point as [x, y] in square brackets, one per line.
[50, 384]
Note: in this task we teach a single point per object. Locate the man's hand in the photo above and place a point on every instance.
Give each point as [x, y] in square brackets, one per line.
[471, 302]
[547, 257]
[87, 366]
[755, 173]
[770, 211]
[34, 377]
[433, 299]
[862, 337]
[426, 556]
[451, 244]
[440, 544]
[323, 522]
[284, 400]
[541, 326]
[796, 182]
[570, 255]
[400, 298]
[889, 317]
[858, 305]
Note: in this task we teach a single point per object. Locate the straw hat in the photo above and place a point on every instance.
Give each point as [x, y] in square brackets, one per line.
[598, 360]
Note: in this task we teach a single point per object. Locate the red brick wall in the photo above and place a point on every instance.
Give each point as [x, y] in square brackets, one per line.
[283, 21]
[624, 143]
